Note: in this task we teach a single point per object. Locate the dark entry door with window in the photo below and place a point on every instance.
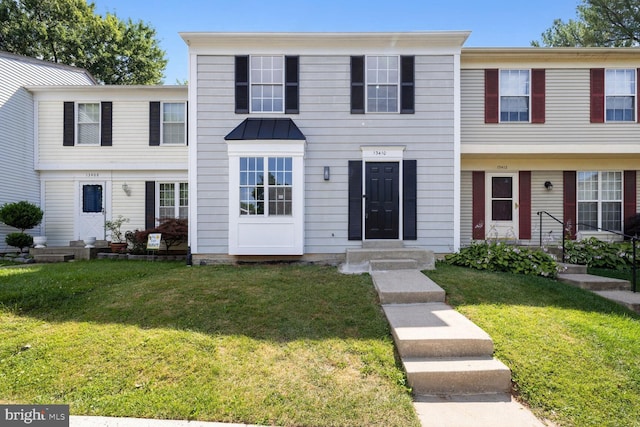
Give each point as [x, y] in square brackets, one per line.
[382, 200]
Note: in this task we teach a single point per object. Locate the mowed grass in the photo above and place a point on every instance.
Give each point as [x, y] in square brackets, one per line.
[269, 344]
[575, 357]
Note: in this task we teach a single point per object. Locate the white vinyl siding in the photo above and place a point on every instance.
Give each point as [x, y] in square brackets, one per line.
[130, 138]
[333, 136]
[59, 210]
[17, 125]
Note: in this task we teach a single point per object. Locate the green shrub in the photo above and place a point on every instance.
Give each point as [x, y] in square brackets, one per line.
[21, 215]
[19, 240]
[600, 254]
[502, 257]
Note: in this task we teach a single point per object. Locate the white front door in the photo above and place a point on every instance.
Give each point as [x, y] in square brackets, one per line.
[92, 213]
[501, 206]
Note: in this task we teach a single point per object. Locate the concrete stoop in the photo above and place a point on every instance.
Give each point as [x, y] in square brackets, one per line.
[387, 256]
[442, 351]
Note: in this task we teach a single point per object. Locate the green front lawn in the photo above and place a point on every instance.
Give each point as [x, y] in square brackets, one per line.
[575, 357]
[283, 345]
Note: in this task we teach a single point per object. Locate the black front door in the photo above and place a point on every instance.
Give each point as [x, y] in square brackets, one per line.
[382, 200]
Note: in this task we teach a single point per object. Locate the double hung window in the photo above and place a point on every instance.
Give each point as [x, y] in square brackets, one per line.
[620, 95]
[514, 95]
[173, 123]
[267, 84]
[599, 201]
[88, 122]
[383, 75]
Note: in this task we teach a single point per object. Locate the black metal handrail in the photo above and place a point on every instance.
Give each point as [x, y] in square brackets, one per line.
[634, 240]
[559, 222]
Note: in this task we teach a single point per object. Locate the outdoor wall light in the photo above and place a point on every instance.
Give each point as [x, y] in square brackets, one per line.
[126, 189]
[548, 185]
[327, 173]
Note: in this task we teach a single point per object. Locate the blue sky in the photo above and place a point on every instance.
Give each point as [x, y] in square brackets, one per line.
[492, 23]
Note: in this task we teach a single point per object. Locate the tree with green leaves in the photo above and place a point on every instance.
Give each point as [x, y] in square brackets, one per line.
[70, 32]
[606, 23]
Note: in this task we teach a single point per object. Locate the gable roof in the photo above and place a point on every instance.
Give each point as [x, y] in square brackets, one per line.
[263, 128]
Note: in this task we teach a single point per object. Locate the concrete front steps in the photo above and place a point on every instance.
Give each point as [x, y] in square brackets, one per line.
[443, 352]
[382, 255]
[74, 251]
[576, 275]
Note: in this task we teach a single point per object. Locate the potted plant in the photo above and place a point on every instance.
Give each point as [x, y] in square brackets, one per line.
[114, 227]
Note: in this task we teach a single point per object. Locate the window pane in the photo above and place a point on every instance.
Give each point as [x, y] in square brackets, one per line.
[251, 186]
[612, 216]
[501, 210]
[501, 187]
[173, 123]
[620, 88]
[91, 198]
[620, 108]
[267, 80]
[167, 208]
[587, 216]
[587, 186]
[89, 123]
[280, 186]
[183, 211]
[382, 83]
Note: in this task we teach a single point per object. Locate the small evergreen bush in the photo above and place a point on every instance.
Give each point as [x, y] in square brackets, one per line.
[19, 240]
[21, 215]
[498, 256]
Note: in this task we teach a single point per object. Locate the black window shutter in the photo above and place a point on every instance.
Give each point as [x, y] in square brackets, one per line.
[242, 84]
[292, 85]
[106, 133]
[410, 197]
[357, 85]
[407, 85]
[149, 204]
[69, 125]
[355, 200]
[154, 123]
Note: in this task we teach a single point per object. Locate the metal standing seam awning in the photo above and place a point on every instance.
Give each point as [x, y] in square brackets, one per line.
[265, 128]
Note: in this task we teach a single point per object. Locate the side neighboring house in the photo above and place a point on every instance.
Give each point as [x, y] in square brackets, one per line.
[18, 179]
[308, 144]
[548, 129]
[105, 151]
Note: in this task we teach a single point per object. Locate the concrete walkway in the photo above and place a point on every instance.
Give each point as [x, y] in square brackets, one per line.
[474, 393]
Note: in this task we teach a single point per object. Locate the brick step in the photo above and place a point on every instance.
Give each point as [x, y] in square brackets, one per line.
[435, 330]
[457, 376]
[406, 286]
[594, 283]
[54, 257]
